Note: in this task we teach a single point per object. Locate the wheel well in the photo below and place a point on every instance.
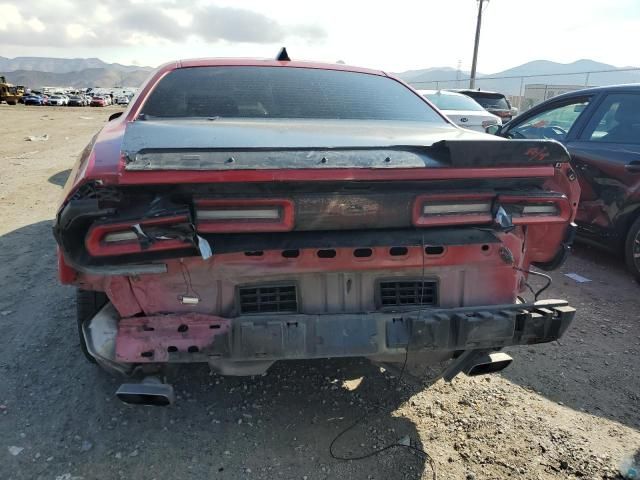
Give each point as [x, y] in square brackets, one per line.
[629, 219]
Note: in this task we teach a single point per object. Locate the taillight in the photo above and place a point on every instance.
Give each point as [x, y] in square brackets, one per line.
[244, 215]
[548, 209]
[120, 236]
[151, 235]
[452, 209]
[458, 209]
[536, 209]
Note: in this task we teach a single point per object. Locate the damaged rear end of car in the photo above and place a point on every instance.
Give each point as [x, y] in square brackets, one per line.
[239, 242]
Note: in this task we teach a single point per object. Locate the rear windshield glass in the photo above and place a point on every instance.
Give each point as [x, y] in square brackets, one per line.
[491, 101]
[284, 92]
[445, 101]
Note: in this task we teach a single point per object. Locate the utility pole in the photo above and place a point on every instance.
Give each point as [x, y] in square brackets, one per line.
[472, 80]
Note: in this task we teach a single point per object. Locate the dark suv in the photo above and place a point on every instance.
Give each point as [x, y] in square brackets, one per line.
[492, 102]
[601, 129]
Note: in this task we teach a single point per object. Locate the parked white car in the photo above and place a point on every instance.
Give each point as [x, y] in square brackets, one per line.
[63, 96]
[121, 100]
[461, 110]
[57, 100]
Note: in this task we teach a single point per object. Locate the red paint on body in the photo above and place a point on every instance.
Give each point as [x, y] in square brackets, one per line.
[150, 339]
[66, 274]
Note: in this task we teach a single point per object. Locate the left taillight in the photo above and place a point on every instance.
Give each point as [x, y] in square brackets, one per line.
[166, 233]
[244, 215]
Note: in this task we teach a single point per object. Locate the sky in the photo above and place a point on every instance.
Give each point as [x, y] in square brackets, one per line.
[394, 35]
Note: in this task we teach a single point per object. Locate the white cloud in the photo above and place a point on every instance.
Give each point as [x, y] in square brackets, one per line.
[75, 31]
[36, 25]
[10, 15]
[393, 36]
[126, 22]
[182, 17]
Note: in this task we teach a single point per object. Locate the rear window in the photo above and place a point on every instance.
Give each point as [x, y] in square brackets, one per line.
[446, 101]
[491, 100]
[284, 92]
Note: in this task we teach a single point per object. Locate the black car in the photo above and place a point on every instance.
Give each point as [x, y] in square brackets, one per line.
[76, 101]
[601, 129]
[492, 102]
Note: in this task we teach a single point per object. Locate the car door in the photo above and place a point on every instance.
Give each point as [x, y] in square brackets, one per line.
[555, 121]
[606, 156]
[559, 119]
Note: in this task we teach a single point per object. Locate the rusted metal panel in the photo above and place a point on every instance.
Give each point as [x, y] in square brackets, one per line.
[156, 338]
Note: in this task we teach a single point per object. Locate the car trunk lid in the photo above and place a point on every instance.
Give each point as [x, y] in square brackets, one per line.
[228, 145]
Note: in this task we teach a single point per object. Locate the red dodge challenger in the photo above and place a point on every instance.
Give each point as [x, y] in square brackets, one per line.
[241, 212]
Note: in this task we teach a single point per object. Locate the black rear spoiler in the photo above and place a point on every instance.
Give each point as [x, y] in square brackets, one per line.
[443, 154]
[498, 153]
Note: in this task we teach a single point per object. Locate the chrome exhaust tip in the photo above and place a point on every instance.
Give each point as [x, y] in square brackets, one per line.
[477, 362]
[151, 391]
[488, 363]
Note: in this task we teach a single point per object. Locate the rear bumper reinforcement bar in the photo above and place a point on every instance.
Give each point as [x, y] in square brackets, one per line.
[184, 338]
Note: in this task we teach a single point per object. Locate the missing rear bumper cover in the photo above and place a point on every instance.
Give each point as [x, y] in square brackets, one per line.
[267, 337]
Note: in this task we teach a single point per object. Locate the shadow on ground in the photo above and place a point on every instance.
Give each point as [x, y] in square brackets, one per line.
[593, 368]
[59, 178]
[62, 409]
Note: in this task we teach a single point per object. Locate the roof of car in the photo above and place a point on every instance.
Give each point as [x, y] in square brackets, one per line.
[439, 92]
[257, 62]
[473, 90]
[605, 88]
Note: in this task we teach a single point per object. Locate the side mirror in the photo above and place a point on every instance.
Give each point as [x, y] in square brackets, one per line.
[113, 116]
[493, 129]
[514, 112]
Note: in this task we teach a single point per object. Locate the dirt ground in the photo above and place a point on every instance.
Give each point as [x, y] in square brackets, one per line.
[570, 409]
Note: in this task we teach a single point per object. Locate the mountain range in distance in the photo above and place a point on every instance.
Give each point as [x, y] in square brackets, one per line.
[36, 72]
[511, 81]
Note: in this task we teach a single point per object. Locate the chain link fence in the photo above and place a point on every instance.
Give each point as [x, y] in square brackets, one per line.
[525, 91]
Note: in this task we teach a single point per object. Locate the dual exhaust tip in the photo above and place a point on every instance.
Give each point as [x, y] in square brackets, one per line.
[489, 363]
[151, 391]
[477, 362]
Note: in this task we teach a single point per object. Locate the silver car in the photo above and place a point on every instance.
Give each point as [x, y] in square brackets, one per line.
[461, 110]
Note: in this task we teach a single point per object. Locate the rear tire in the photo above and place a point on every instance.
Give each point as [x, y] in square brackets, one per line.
[88, 303]
[632, 249]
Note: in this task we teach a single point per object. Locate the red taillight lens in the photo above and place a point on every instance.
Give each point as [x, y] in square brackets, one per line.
[244, 215]
[536, 209]
[457, 209]
[452, 209]
[110, 239]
